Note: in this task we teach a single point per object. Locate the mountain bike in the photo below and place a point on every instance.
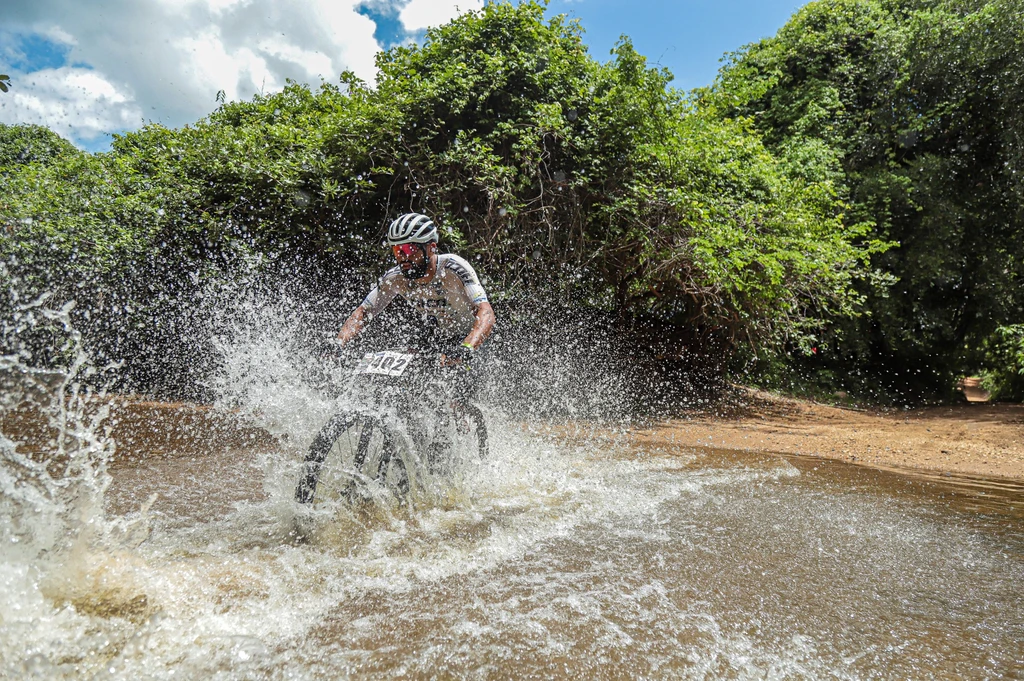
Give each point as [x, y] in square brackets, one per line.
[409, 428]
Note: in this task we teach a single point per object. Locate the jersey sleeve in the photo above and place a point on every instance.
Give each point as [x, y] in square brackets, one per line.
[382, 293]
[467, 275]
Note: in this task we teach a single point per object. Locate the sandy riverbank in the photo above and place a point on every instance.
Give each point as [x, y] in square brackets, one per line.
[972, 439]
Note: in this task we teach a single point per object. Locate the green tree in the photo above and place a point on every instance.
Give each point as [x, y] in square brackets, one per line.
[555, 172]
[21, 144]
[543, 159]
[912, 109]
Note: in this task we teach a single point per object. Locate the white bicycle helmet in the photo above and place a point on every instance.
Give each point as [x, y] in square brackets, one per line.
[412, 228]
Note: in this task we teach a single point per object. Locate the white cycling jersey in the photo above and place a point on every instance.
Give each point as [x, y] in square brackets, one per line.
[450, 297]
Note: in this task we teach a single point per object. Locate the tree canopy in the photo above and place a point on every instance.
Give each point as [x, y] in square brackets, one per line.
[913, 108]
[758, 212]
[551, 170]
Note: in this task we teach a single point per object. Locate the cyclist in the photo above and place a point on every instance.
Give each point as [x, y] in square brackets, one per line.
[443, 288]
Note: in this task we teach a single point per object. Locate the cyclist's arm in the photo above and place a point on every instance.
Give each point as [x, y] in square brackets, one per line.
[483, 313]
[380, 297]
[353, 325]
[482, 327]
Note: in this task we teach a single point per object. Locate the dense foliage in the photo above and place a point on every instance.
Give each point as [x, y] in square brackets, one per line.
[557, 174]
[31, 144]
[914, 109]
[752, 214]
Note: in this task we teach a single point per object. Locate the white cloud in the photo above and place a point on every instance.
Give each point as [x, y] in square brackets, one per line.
[165, 60]
[214, 5]
[206, 60]
[313, 62]
[421, 14]
[77, 103]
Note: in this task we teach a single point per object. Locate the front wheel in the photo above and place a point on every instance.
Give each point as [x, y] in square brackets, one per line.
[352, 452]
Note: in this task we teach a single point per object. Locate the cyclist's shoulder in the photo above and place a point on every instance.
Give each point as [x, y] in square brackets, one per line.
[446, 259]
[457, 265]
[389, 284]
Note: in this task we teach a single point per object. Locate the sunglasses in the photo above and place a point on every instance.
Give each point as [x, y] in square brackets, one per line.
[407, 249]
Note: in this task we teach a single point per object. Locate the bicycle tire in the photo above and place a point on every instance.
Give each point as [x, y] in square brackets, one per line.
[350, 450]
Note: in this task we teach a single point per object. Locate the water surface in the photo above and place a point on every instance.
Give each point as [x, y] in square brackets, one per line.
[560, 557]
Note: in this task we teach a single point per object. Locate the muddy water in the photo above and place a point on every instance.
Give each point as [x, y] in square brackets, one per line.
[561, 557]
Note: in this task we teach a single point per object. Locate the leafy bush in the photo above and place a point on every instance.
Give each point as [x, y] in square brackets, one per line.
[912, 109]
[560, 176]
[21, 144]
[1004, 376]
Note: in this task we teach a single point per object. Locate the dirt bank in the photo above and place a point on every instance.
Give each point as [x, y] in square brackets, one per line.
[972, 439]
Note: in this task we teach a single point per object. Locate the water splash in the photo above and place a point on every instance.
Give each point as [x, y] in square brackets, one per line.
[56, 544]
[565, 553]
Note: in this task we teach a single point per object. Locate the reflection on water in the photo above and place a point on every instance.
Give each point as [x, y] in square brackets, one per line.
[554, 560]
[952, 491]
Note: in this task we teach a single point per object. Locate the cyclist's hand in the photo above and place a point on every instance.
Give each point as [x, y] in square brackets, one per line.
[332, 349]
[456, 357]
[449, 360]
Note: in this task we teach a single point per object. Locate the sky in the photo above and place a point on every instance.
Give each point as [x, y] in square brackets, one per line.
[87, 69]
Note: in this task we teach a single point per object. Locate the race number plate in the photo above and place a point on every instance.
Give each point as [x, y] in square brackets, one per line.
[384, 363]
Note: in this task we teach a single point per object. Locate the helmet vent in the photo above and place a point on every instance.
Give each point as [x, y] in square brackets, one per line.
[412, 228]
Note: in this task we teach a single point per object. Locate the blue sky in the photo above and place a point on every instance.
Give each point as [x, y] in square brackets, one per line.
[687, 37]
[91, 69]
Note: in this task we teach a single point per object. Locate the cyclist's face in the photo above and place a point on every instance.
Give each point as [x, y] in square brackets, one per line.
[410, 257]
